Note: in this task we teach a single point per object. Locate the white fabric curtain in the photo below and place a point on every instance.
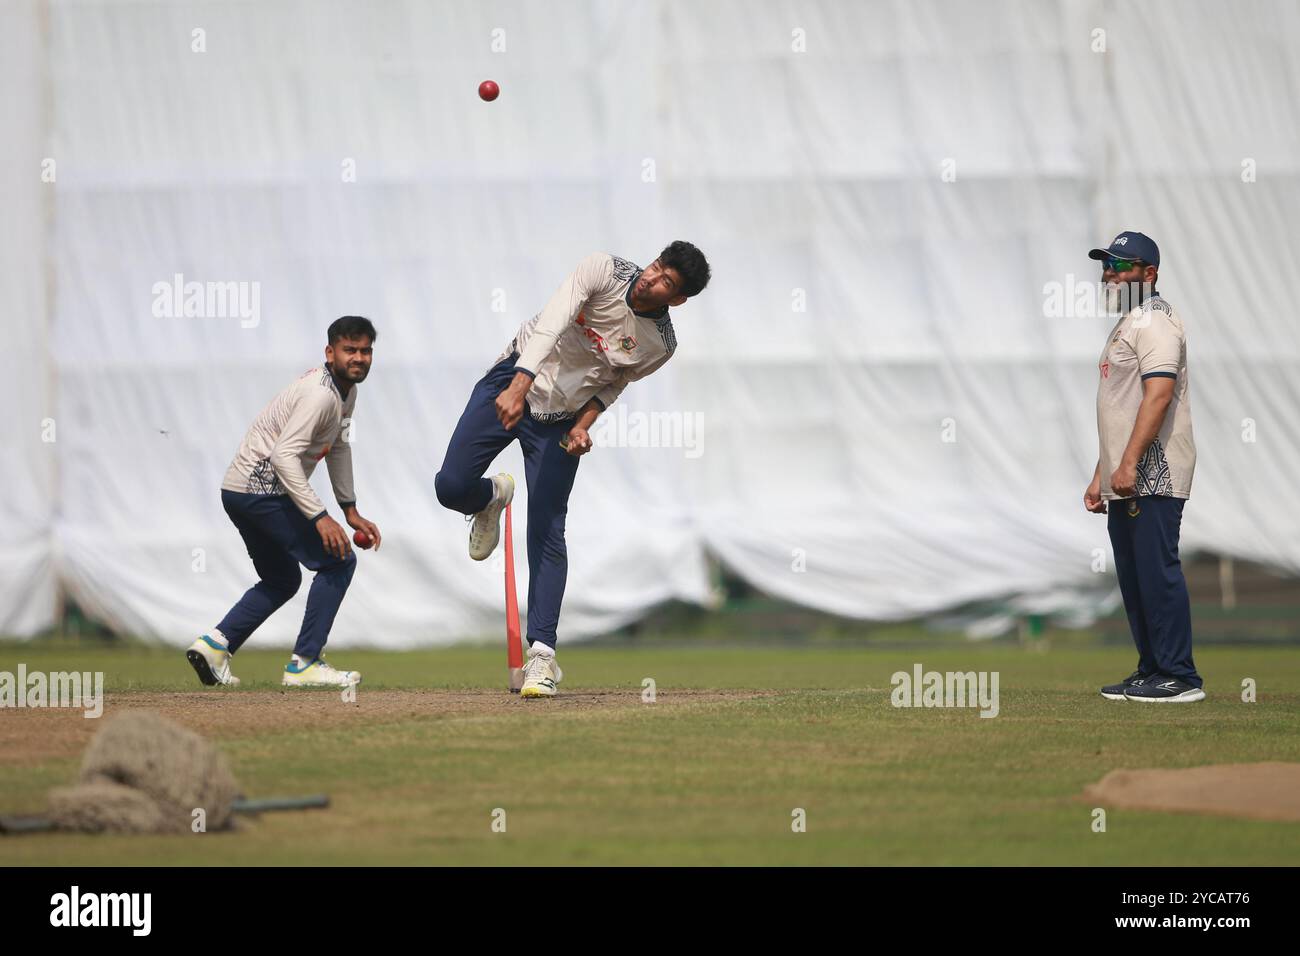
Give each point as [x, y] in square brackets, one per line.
[885, 422]
[28, 425]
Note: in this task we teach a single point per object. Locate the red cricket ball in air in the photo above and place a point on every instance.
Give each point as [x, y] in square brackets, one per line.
[488, 91]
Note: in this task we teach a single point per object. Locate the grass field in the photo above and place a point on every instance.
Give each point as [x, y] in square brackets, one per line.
[710, 773]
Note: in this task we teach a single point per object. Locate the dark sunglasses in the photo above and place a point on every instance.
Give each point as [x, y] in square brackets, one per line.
[1120, 265]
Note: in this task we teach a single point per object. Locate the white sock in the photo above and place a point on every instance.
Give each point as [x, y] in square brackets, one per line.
[217, 636]
[538, 649]
[298, 661]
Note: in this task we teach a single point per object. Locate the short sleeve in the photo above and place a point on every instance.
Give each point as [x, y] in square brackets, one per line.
[1158, 342]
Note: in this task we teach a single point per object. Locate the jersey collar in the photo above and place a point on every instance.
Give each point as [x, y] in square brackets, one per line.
[329, 373]
[1144, 304]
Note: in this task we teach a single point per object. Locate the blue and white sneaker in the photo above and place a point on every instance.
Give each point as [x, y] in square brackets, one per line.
[317, 674]
[1164, 690]
[1116, 691]
[211, 661]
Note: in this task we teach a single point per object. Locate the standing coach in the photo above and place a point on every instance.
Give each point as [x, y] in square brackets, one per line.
[1144, 423]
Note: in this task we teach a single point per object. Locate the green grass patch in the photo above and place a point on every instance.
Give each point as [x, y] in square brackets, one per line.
[715, 782]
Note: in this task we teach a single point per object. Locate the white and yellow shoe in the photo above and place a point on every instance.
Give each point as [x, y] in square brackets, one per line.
[541, 673]
[485, 528]
[211, 661]
[318, 674]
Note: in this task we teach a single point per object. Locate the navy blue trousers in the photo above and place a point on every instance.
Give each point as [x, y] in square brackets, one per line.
[1151, 580]
[279, 538]
[549, 470]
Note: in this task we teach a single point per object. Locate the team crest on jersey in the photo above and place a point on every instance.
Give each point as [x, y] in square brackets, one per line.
[627, 343]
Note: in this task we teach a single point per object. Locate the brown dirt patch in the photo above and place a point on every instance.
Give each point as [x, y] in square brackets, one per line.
[31, 735]
[1258, 791]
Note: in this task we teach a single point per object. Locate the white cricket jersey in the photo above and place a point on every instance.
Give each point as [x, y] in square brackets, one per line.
[587, 342]
[300, 426]
[1147, 341]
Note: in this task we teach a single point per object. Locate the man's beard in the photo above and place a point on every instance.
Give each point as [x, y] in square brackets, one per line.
[1120, 297]
[347, 373]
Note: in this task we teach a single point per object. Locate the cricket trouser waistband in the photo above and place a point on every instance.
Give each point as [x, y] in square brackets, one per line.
[542, 418]
[551, 418]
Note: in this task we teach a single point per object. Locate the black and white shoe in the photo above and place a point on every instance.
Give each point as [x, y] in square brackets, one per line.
[1116, 691]
[1164, 690]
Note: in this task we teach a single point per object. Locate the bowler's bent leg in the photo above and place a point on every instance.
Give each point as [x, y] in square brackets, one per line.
[478, 438]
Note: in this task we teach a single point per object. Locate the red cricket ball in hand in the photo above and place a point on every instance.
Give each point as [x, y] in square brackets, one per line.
[488, 91]
[363, 540]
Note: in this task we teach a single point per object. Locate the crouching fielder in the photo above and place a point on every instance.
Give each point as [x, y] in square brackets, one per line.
[608, 325]
[282, 521]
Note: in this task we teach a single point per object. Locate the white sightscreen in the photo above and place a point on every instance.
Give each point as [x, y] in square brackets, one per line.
[873, 414]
